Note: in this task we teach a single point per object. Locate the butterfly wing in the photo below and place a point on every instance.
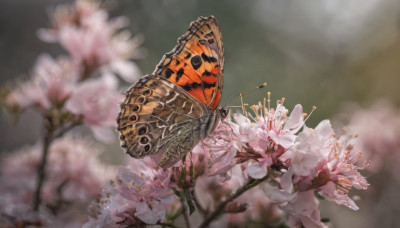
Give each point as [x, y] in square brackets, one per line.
[159, 117]
[196, 64]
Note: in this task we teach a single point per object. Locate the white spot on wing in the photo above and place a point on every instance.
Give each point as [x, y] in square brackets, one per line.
[172, 99]
[191, 110]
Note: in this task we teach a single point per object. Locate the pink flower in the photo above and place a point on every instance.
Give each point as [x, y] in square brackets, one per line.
[93, 40]
[214, 155]
[74, 177]
[311, 147]
[139, 194]
[220, 148]
[51, 84]
[269, 137]
[63, 15]
[73, 164]
[276, 194]
[323, 162]
[343, 164]
[303, 211]
[97, 101]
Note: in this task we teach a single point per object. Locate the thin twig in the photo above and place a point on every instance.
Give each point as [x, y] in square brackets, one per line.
[185, 210]
[66, 128]
[220, 208]
[196, 202]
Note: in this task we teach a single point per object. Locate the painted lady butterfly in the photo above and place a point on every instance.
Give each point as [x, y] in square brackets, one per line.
[165, 114]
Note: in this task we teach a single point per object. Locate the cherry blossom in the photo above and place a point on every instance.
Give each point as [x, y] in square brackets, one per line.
[97, 101]
[74, 175]
[265, 147]
[378, 130]
[220, 148]
[93, 40]
[51, 83]
[323, 162]
[303, 211]
[138, 195]
[268, 137]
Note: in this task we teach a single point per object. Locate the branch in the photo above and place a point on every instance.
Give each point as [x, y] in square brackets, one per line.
[41, 172]
[197, 203]
[185, 216]
[220, 208]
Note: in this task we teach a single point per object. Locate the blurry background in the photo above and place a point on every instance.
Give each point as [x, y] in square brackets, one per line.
[315, 53]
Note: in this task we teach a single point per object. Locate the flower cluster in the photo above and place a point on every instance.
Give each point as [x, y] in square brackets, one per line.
[93, 40]
[75, 176]
[258, 166]
[378, 127]
[51, 184]
[84, 83]
[139, 194]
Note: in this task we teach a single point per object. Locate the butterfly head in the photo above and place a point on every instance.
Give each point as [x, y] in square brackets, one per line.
[223, 113]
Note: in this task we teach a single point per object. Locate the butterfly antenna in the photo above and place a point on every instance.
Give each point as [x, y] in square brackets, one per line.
[245, 93]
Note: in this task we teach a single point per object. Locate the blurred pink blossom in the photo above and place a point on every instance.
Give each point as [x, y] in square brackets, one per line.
[378, 130]
[74, 175]
[51, 83]
[94, 40]
[303, 211]
[97, 101]
[259, 209]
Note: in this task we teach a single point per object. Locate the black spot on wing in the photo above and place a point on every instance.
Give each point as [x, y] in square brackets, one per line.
[168, 73]
[196, 62]
[206, 85]
[207, 73]
[179, 74]
[209, 34]
[195, 85]
[209, 59]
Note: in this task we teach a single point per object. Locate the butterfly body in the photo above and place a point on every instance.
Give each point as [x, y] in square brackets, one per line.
[167, 113]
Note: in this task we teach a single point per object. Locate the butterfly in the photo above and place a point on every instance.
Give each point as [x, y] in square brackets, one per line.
[165, 114]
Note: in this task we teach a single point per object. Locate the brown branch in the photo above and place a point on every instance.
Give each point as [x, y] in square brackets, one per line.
[41, 171]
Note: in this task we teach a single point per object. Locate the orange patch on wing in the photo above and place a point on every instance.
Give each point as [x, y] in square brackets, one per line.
[196, 63]
[209, 79]
[198, 93]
